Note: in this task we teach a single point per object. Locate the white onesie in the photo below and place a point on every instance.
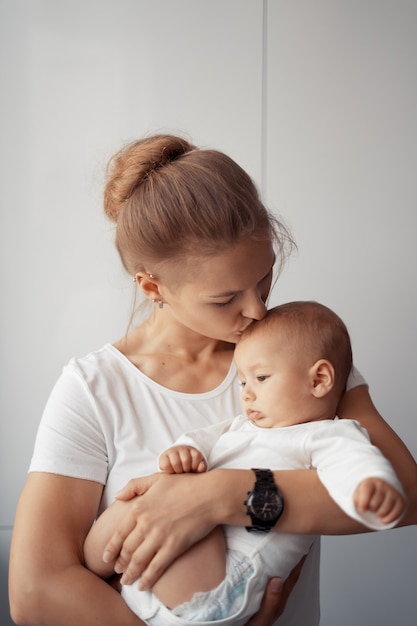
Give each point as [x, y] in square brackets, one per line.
[343, 455]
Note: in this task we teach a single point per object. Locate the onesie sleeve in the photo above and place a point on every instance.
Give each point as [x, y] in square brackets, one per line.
[69, 440]
[204, 439]
[344, 456]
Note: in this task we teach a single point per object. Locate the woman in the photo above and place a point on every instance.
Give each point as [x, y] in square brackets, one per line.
[192, 231]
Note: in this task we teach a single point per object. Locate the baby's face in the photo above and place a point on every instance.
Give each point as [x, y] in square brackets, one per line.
[275, 381]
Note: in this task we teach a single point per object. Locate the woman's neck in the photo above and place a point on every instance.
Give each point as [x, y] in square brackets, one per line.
[177, 357]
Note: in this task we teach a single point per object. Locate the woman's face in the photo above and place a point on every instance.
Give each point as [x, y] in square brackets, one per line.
[226, 291]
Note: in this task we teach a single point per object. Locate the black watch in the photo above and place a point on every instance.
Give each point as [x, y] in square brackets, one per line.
[264, 503]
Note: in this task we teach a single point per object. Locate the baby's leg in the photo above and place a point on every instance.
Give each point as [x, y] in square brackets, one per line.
[201, 568]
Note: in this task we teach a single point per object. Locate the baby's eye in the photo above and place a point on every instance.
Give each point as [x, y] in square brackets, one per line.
[261, 379]
[242, 384]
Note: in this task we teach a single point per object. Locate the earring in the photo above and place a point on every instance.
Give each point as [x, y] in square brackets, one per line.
[151, 275]
[160, 303]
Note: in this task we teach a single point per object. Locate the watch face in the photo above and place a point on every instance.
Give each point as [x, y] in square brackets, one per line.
[266, 505]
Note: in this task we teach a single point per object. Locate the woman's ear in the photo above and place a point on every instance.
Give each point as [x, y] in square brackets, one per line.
[148, 283]
[322, 378]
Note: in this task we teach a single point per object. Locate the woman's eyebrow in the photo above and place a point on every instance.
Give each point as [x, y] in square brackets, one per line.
[224, 295]
[233, 293]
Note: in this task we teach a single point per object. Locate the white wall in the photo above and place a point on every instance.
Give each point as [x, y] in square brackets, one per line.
[325, 121]
[341, 165]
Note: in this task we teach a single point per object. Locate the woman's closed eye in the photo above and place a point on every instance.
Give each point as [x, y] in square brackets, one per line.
[221, 304]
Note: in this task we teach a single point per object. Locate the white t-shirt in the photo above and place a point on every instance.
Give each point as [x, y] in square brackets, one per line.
[106, 421]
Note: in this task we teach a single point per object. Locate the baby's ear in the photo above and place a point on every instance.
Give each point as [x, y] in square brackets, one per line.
[322, 378]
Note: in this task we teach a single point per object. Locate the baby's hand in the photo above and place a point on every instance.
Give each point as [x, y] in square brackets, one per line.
[378, 496]
[182, 459]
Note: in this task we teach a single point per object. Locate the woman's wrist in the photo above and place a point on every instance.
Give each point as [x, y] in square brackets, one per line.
[227, 490]
[308, 507]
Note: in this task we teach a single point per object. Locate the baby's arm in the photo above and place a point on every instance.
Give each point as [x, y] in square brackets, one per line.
[182, 460]
[379, 497]
[345, 458]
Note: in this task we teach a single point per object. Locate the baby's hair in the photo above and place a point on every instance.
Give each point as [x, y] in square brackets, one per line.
[313, 328]
[173, 201]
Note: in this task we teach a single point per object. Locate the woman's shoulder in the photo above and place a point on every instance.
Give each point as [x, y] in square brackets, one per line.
[355, 379]
[105, 361]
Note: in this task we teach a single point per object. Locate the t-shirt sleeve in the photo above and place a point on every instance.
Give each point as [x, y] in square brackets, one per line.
[70, 440]
[355, 379]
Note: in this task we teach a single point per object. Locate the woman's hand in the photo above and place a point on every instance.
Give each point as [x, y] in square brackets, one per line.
[167, 514]
[275, 598]
[271, 607]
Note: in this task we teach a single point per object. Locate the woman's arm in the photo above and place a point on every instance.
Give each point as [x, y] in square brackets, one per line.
[275, 596]
[309, 508]
[175, 511]
[48, 584]
[357, 404]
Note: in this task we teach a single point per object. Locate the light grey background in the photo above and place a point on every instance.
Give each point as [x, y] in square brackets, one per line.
[317, 99]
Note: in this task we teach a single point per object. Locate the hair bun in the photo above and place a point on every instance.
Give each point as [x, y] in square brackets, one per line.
[129, 167]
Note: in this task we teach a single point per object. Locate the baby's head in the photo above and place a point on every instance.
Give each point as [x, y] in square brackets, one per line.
[301, 348]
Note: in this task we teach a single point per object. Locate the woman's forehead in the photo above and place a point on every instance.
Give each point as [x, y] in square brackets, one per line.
[242, 266]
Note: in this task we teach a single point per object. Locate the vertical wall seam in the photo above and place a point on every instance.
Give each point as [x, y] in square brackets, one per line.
[264, 95]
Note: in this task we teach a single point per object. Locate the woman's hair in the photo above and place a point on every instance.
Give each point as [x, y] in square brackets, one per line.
[314, 329]
[172, 201]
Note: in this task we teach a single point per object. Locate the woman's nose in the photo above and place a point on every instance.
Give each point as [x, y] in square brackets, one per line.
[254, 307]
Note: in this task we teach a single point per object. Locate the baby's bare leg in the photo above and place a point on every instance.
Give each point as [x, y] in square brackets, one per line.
[201, 568]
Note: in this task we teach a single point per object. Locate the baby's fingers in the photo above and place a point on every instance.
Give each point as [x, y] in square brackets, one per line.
[198, 463]
[166, 464]
[363, 495]
[185, 459]
[392, 507]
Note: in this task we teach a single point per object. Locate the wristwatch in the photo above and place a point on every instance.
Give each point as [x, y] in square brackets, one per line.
[264, 503]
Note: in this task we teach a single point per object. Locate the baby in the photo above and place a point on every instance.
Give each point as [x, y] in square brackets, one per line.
[293, 366]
